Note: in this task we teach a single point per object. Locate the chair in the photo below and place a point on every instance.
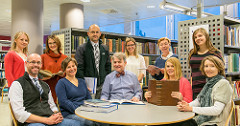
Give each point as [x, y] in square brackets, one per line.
[15, 122]
[4, 91]
[231, 117]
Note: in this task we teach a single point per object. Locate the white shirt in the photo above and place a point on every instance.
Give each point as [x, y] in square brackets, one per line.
[214, 110]
[16, 100]
[134, 64]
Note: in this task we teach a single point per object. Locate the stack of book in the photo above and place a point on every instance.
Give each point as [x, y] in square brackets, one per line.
[98, 106]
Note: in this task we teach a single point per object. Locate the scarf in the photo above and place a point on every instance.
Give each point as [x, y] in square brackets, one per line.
[204, 97]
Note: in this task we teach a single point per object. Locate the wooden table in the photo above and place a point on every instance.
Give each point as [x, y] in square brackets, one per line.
[148, 114]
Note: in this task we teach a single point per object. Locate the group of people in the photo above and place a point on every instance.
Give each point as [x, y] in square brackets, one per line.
[33, 98]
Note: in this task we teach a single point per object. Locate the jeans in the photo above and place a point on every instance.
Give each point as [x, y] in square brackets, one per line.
[65, 122]
[83, 121]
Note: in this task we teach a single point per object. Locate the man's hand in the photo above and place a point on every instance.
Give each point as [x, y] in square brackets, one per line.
[54, 119]
[148, 95]
[153, 70]
[135, 99]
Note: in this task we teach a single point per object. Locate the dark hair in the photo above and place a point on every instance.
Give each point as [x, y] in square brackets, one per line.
[57, 40]
[66, 61]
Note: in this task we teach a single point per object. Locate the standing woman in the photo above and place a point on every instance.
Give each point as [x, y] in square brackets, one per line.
[202, 48]
[15, 58]
[51, 61]
[157, 71]
[135, 61]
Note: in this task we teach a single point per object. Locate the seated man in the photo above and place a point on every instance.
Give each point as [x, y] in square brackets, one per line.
[121, 84]
[32, 101]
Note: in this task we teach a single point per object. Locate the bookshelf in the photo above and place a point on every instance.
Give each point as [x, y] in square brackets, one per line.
[71, 38]
[217, 32]
[224, 33]
[4, 47]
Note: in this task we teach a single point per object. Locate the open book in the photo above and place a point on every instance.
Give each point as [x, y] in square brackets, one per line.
[46, 73]
[96, 102]
[125, 102]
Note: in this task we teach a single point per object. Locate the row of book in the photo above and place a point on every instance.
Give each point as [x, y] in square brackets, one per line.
[2, 74]
[231, 35]
[117, 45]
[232, 62]
[1, 65]
[2, 55]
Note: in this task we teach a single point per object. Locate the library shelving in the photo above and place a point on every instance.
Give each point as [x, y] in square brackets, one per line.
[4, 47]
[71, 38]
[224, 33]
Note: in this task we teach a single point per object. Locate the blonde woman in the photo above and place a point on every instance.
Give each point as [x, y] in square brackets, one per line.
[135, 62]
[15, 58]
[173, 71]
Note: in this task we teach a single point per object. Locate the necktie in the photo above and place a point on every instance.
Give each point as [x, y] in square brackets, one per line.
[36, 83]
[119, 74]
[96, 55]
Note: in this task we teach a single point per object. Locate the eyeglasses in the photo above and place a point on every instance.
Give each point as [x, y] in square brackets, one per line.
[130, 45]
[33, 62]
[54, 43]
[166, 43]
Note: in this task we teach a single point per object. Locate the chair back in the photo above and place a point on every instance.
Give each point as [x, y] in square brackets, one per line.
[15, 122]
[231, 117]
[4, 91]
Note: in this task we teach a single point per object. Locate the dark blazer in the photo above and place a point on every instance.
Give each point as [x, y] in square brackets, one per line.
[86, 62]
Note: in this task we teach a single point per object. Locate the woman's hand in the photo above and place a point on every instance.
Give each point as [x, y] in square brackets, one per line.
[148, 95]
[183, 106]
[177, 95]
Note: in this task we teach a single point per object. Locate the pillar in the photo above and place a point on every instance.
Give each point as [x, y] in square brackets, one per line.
[27, 16]
[71, 15]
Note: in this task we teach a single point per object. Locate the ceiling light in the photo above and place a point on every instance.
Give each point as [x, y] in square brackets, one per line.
[85, 0]
[181, 9]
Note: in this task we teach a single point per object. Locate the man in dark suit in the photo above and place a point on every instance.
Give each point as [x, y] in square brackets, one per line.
[93, 58]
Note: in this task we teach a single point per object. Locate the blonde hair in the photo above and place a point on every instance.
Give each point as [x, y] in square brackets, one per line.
[163, 38]
[209, 44]
[56, 39]
[129, 39]
[216, 61]
[16, 36]
[177, 68]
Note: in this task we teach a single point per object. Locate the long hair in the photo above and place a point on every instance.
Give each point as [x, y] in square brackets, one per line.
[57, 40]
[16, 36]
[129, 39]
[209, 44]
[177, 68]
[216, 61]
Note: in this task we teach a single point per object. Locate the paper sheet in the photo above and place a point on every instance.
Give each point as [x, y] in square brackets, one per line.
[91, 83]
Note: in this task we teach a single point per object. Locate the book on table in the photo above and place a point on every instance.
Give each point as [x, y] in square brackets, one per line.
[96, 102]
[125, 102]
[161, 92]
[99, 109]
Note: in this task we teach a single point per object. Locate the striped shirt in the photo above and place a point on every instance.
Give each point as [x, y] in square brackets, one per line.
[198, 79]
